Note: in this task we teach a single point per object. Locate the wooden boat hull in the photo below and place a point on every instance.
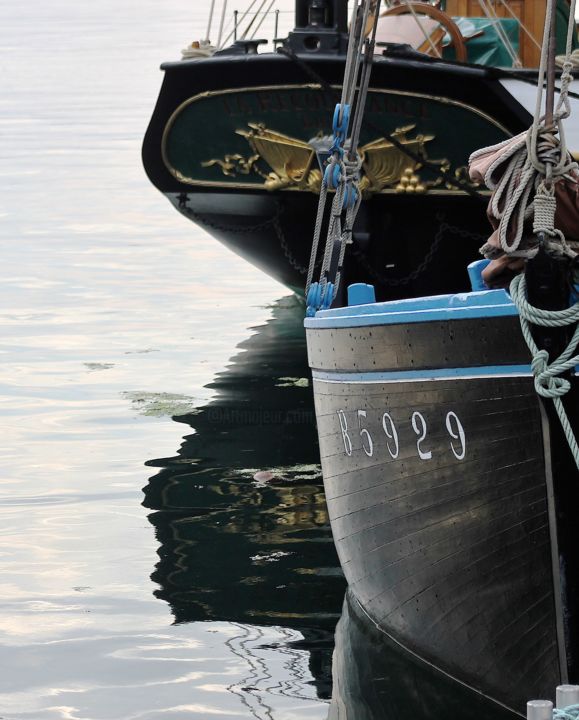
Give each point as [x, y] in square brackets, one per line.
[375, 677]
[448, 519]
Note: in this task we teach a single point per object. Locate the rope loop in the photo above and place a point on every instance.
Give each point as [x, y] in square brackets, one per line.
[547, 375]
[547, 382]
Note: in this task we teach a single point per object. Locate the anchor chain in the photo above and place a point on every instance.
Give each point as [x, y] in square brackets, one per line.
[427, 260]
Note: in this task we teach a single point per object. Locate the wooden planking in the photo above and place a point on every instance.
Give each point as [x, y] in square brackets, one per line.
[452, 559]
[452, 343]
[376, 678]
[531, 14]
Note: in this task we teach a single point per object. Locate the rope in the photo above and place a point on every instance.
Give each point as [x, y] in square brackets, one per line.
[548, 381]
[573, 59]
[210, 21]
[237, 23]
[427, 37]
[253, 19]
[569, 713]
[265, 14]
[342, 171]
[446, 175]
[222, 23]
[521, 24]
[523, 177]
[534, 164]
[493, 18]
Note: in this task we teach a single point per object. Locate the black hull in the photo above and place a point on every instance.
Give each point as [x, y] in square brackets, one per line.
[374, 677]
[272, 229]
[457, 547]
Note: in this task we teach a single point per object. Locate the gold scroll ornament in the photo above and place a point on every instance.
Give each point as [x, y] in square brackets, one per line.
[293, 163]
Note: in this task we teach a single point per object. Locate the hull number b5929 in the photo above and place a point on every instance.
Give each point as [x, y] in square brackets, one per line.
[389, 435]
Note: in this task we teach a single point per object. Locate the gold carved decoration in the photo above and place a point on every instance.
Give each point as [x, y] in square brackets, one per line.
[293, 163]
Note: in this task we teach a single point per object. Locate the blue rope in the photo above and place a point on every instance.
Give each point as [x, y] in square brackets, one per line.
[569, 713]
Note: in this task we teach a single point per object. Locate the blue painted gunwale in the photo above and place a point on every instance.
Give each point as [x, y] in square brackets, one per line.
[461, 306]
[462, 373]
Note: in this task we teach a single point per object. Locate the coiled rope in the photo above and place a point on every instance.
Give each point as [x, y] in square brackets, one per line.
[536, 162]
[569, 713]
[548, 381]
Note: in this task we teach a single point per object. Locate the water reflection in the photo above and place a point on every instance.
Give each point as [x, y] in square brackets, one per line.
[376, 679]
[239, 513]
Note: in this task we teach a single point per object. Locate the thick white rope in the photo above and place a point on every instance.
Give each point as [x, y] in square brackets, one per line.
[538, 164]
[534, 163]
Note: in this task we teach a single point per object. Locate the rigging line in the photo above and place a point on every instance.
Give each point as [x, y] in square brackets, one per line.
[210, 23]
[352, 59]
[333, 95]
[433, 47]
[521, 24]
[493, 18]
[265, 14]
[253, 19]
[370, 45]
[503, 34]
[495, 22]
[223, 11]
[236, 25]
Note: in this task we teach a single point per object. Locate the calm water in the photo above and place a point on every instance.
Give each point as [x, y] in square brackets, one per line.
[143, 575]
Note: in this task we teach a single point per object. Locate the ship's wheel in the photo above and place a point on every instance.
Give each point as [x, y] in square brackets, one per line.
[444, 20]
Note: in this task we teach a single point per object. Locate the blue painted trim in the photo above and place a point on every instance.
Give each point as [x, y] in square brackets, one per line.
[415, 375]
[486, 304]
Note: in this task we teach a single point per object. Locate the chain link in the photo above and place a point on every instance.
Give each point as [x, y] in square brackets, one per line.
[420, 269]
[235, 229]
[290, 257]
[274, 222]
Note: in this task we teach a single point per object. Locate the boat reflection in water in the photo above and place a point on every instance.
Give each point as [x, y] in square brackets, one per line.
[374, 678]
[240, 513]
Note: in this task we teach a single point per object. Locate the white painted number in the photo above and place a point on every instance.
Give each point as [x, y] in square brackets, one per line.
[367, 444]
[454, 427]
[391, 434]
[456, 431]
[345, 436]
[419, 426]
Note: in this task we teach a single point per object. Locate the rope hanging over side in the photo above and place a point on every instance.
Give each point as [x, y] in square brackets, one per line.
[342, 171]
[548, 381]
[535, 203]
[526, 173]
